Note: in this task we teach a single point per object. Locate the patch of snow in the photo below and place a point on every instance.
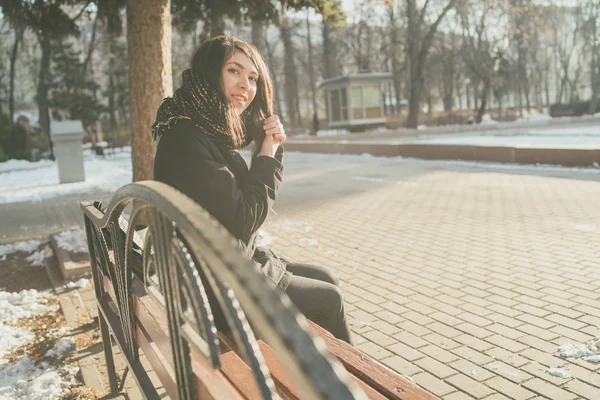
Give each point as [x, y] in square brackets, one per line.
[558, 372]
[263, 238]
[368, 179]
[535, 117]
[24, 304]
[73, 240]
[38, 258]
[61, 349]
[332, 132]
[56, 333]
[107, 174]
[24, 380]
[26, 246]
[308, 242]
[585, 228]
[593, 359]
[13, 337]
[587, 352]
[473, 372]
[573, 136]
[486, 119]
[82, 283]
[421, 127]
[20, 165]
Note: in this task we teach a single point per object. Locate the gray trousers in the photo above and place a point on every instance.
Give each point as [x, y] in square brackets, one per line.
[315, 291]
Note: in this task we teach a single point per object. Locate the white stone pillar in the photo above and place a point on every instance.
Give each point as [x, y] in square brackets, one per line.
[67, 137]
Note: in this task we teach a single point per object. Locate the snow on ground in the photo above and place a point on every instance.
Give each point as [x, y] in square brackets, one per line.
[113, 172]
[24, 304]
[73, 240]
[24, 378]
[37, 259]
[81, 283]
[61, 349]
[558, 372]
[42, 183]
[530, 137]
[11, 338]
[589, 351]
[18, 165]
[26, 247]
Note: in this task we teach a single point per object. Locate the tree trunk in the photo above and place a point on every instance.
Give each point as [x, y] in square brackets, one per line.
[258, 27]
[217, 24]
[270, 60]
[13, 61]
[112, 106]
[418, 45]
[414, 102]
[290, 73]
[396, 78]
[150, 76]
[311, 72]
[88, 59]
[484, 97]
[330, 66]
[42, 89]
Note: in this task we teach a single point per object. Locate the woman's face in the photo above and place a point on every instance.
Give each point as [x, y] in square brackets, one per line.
[239, 76]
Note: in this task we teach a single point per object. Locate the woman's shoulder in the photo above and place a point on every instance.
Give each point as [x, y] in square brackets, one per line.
[184, 133]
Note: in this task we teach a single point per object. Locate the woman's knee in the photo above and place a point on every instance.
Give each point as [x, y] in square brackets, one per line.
[333, 301]
[315, 272]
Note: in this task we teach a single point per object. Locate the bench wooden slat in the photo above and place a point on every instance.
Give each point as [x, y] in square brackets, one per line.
[285, 384]
[155, 357]
[153, 319]
[211, 384]
[240, 375]
[371, 371]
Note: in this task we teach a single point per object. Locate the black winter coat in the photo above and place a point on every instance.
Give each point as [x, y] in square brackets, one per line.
[238, 197]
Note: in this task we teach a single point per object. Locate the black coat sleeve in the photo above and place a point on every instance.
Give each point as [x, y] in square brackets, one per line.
[187, 162]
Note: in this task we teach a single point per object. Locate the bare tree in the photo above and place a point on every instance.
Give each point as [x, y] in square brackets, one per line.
[419, 38]
[480, 49]
[591, 35]
[394, 52]
[567, 27]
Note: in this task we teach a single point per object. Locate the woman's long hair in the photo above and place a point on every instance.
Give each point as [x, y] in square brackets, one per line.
[208, 61]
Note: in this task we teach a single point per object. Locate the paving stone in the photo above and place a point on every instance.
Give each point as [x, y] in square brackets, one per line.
[509, 389]
[471, 386]
[548, 390]
[433, 384]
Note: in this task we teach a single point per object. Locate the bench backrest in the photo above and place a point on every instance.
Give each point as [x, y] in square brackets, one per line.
[186, 296]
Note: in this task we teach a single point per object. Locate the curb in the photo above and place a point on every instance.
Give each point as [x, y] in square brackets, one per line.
[573, 157]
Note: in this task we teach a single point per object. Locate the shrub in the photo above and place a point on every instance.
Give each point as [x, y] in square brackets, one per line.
[577, 108]
[14, 140]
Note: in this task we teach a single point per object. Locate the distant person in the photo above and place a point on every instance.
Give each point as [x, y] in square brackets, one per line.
[225, 103]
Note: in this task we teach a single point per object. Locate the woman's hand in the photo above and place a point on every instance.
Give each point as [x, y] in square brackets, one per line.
[274, 136]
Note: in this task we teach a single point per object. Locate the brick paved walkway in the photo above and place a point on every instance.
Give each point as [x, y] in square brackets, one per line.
[465, 278]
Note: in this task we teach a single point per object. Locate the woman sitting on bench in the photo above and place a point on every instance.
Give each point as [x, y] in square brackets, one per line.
[225, 102]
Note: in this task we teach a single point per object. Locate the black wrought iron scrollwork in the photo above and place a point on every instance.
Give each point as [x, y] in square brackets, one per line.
[191, 265]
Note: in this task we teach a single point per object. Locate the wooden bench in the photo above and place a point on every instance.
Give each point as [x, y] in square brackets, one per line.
[181, 293]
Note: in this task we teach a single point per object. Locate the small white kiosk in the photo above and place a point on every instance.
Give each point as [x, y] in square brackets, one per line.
[355, 100]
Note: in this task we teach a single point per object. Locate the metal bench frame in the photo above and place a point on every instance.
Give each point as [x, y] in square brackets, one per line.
[184, 255]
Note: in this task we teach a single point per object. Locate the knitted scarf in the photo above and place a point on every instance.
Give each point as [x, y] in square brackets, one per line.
[197, 100]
